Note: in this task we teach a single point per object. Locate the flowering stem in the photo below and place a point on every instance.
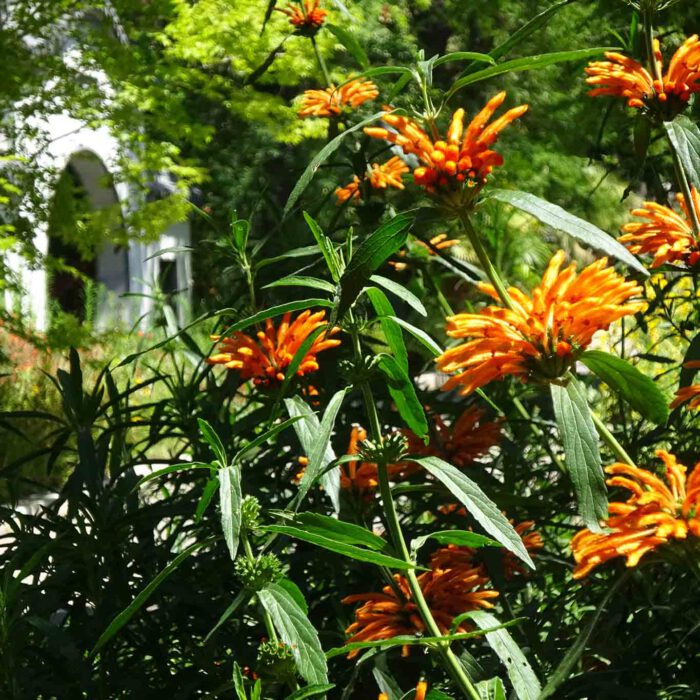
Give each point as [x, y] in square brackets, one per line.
[485, 261]
[452, 663]
[611, 442]
[321, 62]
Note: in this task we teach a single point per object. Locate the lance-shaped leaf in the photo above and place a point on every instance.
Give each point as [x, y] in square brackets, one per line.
[479, 505]
[404, 394]
[350, 43]
[295, 630]
[692, 354]
[525, 682]
[463, 538]
[580, 440]
[640, 391]
[685, 137]
[392, 330]
[230, 498]
[384, 242]
[560, 219]
[395, 288]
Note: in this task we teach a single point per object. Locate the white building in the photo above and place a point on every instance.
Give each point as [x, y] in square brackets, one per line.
[66, 146]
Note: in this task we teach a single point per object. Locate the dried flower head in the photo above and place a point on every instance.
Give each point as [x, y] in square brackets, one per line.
[266, 358]
[332, 101]
[667, 235]
[622, 76]
[654, 515]
[463, 160]
[540, 339]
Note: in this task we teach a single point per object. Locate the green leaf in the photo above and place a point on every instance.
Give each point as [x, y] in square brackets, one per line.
[238, 682]
[236, 603]
[404, 394]
[267, 435]
[463, 56]
[400, 291]
[303, 252]
[295, 592]
[137, 603]
[170, 469]
[230, 498]
[321, 157]
[392, 331]
[240, 229]
[580, 440]
[301, 281]
[480, 507]
[272, 312]
[560, 219]
[463, 538]
[526, 63]
[326, 246]
[295, 630]
[692, 354]
[527, 29]
[207, 495]
[640, 391]
[377, 248]
[525, 682]
[492, 689]
[420, 335]
[350, 43]
[213, 440]
[340, 530]
[685, 137]
[310, 691]
[340, 547]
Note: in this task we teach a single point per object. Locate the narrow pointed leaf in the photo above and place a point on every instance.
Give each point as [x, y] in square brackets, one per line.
[392, 331]
[230, 498]
[350, 43]
[404, 395]
[295, 630]
[685, 137]
[640, 391]
[479, 505]
[301, 281]
[213, 440]
[560, 219]
[400, 291]
[580, 439]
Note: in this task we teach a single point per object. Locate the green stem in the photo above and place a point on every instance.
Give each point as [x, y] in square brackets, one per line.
[611, 441]
[485, 261]
[452, 663]
[684, 186]
[321, 62]
[269, 625]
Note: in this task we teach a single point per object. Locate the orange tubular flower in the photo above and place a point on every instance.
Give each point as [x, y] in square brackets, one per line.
[360, 477]
[441, 242]
[331, 101]
[468, 439]
[688, 394]
[451, 587]
[622, 76]
[665, 234]
[310, 18]
[264, 360]
[465, 158]
[379, 176]
[540, 339]
[421, 690]
[654, 514]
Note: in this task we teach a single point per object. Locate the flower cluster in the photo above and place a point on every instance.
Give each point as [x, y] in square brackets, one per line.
[307, 17]
[380, 176]
[667, 235]
[333, 100]
[451, 587]
[265, 358]
[622, 76]
[463, 159]
[655, 514]
[540, 338]
[421, 690]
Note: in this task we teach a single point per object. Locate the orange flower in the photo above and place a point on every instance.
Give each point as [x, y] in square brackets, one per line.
[441, 242]
[331, 101]
[264, 360]
[688, 394]
[665, 234]
[622, 76]
[540, 339]
[379, 176]
[465, 158]
[451, 587]
[311, 17]
[421, 690]
[654, 514]
[469, 438]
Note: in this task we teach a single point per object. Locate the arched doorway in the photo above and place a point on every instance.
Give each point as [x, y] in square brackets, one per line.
[89, 268]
